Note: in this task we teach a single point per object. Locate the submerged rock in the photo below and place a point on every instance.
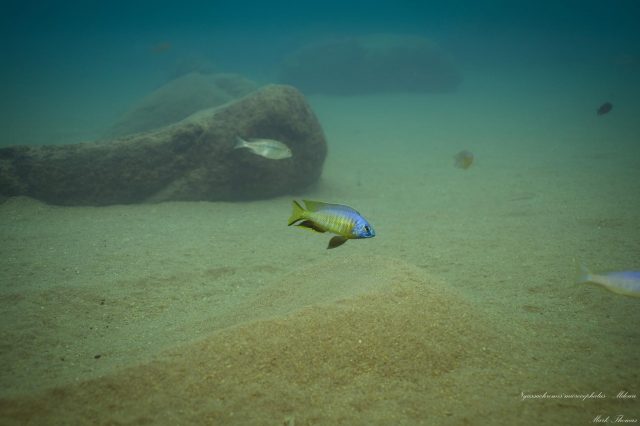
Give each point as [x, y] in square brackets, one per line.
[370, 64]
[180, 98]
[190, 160]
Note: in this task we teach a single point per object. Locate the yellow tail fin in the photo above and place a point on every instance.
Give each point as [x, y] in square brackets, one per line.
[297, 214]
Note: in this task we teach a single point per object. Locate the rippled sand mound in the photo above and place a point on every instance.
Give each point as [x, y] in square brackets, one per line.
[364, 335]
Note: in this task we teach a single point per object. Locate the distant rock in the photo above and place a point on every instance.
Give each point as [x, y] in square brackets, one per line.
[180, 98]
[190, 160]
[370, 64]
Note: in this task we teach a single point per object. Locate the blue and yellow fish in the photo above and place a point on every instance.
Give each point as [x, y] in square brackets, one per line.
[341, 220]
[623, 282]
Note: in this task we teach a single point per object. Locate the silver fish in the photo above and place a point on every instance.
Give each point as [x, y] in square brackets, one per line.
[267, 148]
[624, 282]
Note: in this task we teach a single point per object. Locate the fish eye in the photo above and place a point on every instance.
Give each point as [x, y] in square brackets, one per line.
[366, 228]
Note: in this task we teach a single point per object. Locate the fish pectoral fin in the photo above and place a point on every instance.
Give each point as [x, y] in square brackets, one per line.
[336, 241]
[311, 225]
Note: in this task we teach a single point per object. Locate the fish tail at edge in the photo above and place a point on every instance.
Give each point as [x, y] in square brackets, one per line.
[240, 143]
[583, 274]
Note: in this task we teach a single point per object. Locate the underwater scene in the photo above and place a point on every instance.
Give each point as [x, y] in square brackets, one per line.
[320, 213]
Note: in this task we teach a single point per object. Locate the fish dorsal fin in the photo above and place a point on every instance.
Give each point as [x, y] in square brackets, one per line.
[314, 206]
[336, 241]
[311, 225]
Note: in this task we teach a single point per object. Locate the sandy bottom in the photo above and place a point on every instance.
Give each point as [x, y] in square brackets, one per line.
[464, 303]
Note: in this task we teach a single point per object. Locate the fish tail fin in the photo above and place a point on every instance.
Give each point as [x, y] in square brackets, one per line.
[297, 214]
[240, 143]
[584, 275]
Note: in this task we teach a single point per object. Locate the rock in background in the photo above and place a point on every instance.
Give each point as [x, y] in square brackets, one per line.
[370, 64]
[180, 98]
[190, 160]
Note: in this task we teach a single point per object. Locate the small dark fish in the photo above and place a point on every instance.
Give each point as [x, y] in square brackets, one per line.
[161, 47]
[463, 159]
[605, 108]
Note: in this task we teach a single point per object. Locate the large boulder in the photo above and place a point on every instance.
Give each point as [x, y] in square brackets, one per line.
[190, 160]
[180, 98]
[370, 64]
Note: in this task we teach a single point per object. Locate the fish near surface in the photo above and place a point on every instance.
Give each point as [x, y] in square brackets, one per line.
[337, 219]
[267, 148]
[624, 282]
